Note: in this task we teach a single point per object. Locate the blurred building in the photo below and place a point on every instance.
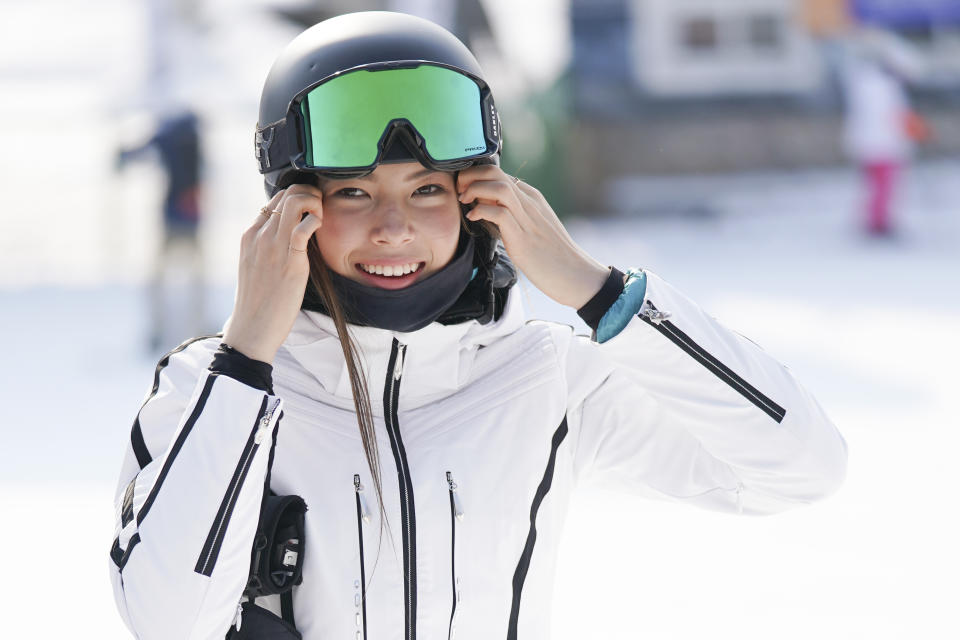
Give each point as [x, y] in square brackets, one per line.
[465, 18]
[684, 86]
[701, 48]
[690, 49]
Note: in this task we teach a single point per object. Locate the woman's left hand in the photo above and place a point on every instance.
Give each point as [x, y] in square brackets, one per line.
[533, 236]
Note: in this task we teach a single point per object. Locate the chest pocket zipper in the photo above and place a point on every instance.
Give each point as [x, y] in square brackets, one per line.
[456, 513]
[360, 586]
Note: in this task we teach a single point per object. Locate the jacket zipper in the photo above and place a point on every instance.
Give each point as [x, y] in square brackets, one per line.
[363, 515]
[658, 320]
[126, 513]
[391, 393]
[211, 548]
[456, 513]
[238, 616]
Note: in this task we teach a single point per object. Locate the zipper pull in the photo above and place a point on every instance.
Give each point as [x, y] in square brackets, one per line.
[740, 498]
[457, 507]
[364, 511]
[398, 367]
[265, 422]
[239, 617]
[653, 314]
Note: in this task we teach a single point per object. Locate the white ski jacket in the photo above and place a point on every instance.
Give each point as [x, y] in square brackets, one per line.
[483, 432]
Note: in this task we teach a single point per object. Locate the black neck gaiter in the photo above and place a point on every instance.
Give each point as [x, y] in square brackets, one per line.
[407, 309]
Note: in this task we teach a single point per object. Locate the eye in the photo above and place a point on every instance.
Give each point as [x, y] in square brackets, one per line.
[350, 192]
[429, 190]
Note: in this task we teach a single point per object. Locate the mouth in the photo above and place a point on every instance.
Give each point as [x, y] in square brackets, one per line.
[390, 276]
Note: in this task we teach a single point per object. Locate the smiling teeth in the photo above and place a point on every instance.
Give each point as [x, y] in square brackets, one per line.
[390, 270]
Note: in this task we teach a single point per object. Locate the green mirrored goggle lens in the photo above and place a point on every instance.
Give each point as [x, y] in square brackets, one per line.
[346, 116]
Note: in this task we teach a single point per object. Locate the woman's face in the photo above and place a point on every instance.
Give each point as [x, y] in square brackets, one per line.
[391, 228]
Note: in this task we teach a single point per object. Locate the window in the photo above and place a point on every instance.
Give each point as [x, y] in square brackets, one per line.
[699, 34]
[765, 32]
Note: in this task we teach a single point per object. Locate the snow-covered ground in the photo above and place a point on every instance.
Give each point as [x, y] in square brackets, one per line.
[869, 326]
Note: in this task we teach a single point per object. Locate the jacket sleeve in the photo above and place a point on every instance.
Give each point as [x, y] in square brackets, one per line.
[690, 410]
[186, 520]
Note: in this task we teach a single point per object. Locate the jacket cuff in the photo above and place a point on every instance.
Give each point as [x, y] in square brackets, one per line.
[593, 310]
[255, 373]
[625, 307]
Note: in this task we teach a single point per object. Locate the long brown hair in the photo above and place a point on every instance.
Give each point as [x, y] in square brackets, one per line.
[321, 282]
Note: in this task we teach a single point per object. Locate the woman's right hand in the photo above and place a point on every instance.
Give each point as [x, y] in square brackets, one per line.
[273, 272]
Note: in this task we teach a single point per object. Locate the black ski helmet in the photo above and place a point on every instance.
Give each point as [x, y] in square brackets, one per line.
[345, 42]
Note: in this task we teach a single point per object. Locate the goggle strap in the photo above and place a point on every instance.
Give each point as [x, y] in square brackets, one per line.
[275, 145]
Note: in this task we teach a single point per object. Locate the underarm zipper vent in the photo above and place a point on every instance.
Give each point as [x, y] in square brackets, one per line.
[658, 320]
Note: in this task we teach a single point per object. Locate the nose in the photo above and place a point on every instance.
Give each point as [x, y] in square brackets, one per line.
[392, 227]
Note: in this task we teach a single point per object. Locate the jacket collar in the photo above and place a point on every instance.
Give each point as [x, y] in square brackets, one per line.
[437, 363]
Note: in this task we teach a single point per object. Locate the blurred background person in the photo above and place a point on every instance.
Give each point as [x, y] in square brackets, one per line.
[176, 284]
[177, 142]
[880, 127]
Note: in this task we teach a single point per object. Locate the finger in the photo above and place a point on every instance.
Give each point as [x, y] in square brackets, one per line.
[261, 220]
[500, 216]
[294, 206]
[264, 214]
[503, 193]
[468, 176]
[295, 189]
[302, 232]
[534, 206]
[530, 190]
[269, 226]
[262, 217]
[301, 187]
[499, 191]
[534, 201]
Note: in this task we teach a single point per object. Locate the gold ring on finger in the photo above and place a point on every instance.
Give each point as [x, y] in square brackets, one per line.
[264, 211]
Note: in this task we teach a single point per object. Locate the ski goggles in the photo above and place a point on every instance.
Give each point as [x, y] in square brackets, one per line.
[342, 125]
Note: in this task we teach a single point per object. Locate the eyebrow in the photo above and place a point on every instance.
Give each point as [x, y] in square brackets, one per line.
[426, 171]
[421, 174]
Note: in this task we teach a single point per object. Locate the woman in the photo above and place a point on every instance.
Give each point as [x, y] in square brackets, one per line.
[435, 435]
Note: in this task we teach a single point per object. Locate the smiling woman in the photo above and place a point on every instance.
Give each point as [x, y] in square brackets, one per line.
[375, 312]
[398, 225]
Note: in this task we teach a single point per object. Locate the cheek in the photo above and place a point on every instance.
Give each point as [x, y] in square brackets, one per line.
[335, 240]
[443, 233]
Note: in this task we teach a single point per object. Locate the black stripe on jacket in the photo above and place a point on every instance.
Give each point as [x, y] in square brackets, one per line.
[136, 433]
[523, 566]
